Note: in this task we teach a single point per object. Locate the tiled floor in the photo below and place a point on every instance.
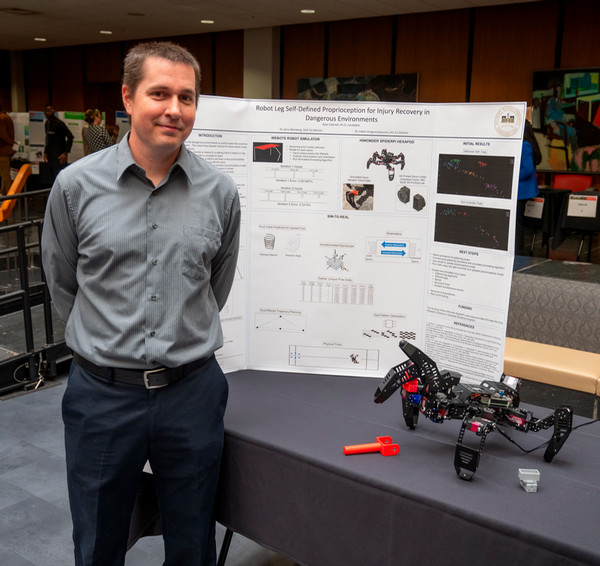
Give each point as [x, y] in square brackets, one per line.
[35, 524]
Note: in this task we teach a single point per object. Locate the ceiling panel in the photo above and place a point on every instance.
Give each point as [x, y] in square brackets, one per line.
[73, 22]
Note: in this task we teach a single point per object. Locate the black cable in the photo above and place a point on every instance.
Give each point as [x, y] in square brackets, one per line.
[543, 444]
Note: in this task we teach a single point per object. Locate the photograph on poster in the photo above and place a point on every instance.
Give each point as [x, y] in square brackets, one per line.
[566, 119]
[388, 88]
[472, 226]
[358, 197]
[475, 175]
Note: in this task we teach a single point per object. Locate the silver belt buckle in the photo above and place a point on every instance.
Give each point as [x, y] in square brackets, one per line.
[150, 371]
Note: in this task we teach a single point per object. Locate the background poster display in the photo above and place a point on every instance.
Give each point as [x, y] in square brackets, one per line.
[122, 120]
[37, 138]
[21, 124]
[365, 223]
[75, 122]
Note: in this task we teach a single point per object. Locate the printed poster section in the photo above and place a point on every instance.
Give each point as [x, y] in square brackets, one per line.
[386, 174]
[232, 356]
[466, 312]
[334, 293]
[470, 265]
[294, 172]
[228, 152]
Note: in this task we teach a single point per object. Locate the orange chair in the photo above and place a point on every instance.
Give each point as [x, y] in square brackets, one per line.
[15, 188]
[572, 182]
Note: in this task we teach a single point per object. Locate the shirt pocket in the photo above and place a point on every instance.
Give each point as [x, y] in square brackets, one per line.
[200, 245]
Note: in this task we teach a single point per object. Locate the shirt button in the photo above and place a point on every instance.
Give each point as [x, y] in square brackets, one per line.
[152, 333]
[153, 298]
[154, 261]
[155, 226]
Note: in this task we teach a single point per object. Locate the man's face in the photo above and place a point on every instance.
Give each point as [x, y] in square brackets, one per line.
[163, 107]
[49, 112]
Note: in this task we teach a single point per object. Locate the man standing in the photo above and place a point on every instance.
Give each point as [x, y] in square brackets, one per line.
[59, 140]
[140, 247]
[7, 140]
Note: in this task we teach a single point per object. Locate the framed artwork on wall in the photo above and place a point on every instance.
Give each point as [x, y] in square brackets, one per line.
[389, 88]
[566, 119]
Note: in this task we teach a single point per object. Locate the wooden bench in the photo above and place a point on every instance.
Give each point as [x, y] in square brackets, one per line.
[553, 365]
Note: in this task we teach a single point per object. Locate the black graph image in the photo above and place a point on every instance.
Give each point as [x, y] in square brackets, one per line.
[472, 226]
[475, 175]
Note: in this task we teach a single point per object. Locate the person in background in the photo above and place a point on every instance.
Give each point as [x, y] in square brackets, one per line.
[528, 187]
[140, 246]
[96, 135]
[59, 141]
[7, 141]
[113, 132]
[89, 119]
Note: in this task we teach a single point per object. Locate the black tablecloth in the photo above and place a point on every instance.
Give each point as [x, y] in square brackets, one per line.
[553, 200]
[287, 485]
[567, 224]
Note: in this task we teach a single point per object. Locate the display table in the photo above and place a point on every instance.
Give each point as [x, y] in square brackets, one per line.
[287, 485]
[553, 202]
[582, 225]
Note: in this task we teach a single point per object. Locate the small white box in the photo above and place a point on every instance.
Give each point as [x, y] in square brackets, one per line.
[529, 479]
[529, 474]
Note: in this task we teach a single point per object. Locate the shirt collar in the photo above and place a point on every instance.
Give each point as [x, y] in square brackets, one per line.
[125, 159]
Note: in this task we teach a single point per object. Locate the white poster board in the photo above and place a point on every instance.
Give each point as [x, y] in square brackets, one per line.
[37, 139]
[122, 120]
[21, 124]
[367, 223]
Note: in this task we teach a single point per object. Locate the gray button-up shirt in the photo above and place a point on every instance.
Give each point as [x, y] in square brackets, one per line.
[140, 273]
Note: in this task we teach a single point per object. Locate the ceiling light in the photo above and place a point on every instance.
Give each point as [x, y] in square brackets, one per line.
[207, 21]
[308, 11]
[39, 39]
[105, 32]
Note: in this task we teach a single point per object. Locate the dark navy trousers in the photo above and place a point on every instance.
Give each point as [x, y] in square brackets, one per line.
[112, 429]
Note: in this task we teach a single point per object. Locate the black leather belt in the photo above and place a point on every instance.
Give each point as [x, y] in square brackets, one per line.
[150, 379]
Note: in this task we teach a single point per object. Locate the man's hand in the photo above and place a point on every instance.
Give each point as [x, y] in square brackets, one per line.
[62, 158]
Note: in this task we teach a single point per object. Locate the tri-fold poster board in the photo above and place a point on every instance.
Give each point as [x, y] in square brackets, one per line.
[365, 223]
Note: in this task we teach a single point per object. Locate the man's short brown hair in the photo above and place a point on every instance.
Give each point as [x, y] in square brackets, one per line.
[133, 67]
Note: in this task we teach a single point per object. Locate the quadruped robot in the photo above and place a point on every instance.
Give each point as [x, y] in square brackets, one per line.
[483, 408]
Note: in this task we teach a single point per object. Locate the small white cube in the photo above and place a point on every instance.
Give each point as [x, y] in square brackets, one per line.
[529, 474]
[529, 479]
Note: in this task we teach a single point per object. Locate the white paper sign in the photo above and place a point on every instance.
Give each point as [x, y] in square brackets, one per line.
[582, 206]
[534, 207]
